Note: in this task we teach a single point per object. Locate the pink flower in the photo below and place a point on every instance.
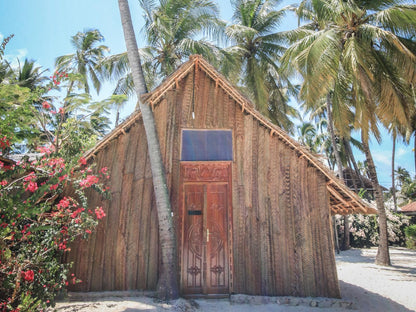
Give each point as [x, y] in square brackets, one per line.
[88, 181]
[3, 183]
[53, 187]
[82, 161]
[63, 177]
[32, 186]
[46, 105]
[63, 203]
[99, 212]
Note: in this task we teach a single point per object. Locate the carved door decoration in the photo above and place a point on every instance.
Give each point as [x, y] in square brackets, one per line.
[205, 265]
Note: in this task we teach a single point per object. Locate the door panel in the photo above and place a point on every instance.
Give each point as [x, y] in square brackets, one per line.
[205, 241]
[193, 240]
[217, 281]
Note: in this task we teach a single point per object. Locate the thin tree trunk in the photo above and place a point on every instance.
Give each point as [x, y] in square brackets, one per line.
[393, 187]
[167, 286]
[336, 242]
[332, 134]
[354, 164]
[345, 241]
[117, 116]
[383, 256]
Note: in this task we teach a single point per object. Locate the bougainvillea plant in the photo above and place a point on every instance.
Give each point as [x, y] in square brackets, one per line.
[43, 208]
[43, 202]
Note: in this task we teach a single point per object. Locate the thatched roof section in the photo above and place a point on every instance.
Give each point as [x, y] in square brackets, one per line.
[343, 200]
[409, 208]
[7, 161]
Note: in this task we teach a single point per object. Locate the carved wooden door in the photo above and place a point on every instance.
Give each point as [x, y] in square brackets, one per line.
[205, 239]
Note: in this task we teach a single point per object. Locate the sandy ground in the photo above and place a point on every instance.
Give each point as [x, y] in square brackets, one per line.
[363, 284]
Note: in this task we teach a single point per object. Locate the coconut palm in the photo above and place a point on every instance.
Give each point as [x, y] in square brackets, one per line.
[29, 75]
[167, 284]
[85, 63]
[252, 60]
[173, 30]
[359, 52]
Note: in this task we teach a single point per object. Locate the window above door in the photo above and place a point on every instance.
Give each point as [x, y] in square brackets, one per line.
[207, 145]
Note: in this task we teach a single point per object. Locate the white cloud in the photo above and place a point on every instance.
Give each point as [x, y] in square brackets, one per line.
[19, 54]
[382, 158]
[403, 151]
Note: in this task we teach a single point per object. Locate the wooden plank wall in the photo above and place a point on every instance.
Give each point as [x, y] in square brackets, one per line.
[123, 254]
[282, 243]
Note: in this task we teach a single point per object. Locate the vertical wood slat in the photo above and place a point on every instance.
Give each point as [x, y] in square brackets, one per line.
[277, 225]
[99, 255]
[133, 220]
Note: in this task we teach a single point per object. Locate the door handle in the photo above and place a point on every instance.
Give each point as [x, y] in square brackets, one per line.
[208, 235]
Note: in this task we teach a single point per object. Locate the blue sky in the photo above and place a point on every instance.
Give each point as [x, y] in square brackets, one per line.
[43, 28]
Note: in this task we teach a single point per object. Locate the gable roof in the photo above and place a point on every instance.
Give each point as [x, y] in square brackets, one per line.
[342, 199]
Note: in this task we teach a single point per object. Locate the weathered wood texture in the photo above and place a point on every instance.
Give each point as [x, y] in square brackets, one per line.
[281, 237]
[123, 253]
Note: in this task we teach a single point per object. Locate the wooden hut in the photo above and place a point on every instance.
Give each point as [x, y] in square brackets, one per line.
[252, 207]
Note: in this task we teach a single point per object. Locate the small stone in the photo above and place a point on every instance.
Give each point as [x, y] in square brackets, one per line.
[313, 303]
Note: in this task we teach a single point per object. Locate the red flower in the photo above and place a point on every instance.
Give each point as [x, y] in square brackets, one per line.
[82, 161]
[88, 181]
[3, 183]
[32, 186]
[99, 212]
[63, 203]
[46, 105]
[63, 177]
[28, 275]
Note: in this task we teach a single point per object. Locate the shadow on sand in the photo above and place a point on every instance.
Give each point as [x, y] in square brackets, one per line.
[368, 301]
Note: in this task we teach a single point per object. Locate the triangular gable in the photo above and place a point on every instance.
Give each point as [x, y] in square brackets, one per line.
[343, 200]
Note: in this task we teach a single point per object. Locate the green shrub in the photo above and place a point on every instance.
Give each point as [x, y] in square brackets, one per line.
[410, 232]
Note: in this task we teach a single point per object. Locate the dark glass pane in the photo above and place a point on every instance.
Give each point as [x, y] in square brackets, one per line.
[207, 145]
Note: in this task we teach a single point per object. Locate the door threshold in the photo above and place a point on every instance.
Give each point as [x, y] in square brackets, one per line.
[206, 296]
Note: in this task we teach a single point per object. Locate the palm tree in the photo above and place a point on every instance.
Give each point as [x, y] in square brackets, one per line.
[173, 31]
[29, 75]
[167, 284]
[252, 60]
[85, 63]
[359, 51]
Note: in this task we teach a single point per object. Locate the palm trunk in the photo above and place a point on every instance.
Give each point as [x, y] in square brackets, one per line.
[345, 241]
[354, 164]
[167, 286]
[383, 256]
[332, 134]
[117, 116]
[393, 187]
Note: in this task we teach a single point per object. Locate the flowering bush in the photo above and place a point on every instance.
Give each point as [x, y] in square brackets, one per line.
[364, 229]
[38, 221]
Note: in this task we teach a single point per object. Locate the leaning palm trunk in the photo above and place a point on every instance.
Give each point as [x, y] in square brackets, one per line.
[383, 256]
[167, 287]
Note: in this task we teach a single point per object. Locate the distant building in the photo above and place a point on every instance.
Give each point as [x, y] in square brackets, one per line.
[410, 210]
